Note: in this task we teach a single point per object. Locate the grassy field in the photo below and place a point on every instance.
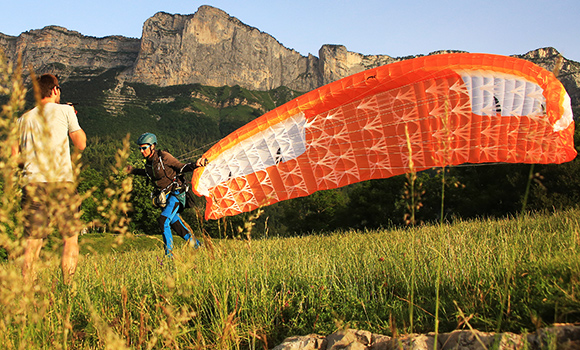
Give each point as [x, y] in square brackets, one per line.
[508, 275]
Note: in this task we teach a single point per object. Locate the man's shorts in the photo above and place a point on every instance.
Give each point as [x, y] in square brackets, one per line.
[47, 206]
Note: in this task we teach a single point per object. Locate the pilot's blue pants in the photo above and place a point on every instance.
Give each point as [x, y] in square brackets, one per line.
[170, 219]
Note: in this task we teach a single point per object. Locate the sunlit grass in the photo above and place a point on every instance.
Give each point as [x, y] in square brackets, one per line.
[236, 295]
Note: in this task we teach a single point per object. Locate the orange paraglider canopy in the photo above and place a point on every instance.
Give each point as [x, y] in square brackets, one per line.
[431, 111]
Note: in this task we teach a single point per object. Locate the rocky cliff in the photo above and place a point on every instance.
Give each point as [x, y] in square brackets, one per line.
[69, 53]
[211, 48]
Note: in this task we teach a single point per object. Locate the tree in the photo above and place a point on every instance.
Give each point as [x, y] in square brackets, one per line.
[321, 211]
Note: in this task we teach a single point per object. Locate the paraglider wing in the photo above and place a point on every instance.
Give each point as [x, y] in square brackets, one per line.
[431, 111]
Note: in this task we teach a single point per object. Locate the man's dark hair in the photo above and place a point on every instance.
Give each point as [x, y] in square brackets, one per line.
[46, 83]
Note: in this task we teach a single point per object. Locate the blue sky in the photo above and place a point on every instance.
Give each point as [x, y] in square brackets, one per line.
[388, 27]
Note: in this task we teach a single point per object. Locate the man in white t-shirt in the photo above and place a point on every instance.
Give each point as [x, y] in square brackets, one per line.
[44, 152]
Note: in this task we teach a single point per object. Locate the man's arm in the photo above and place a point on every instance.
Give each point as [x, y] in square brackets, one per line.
[16, 155]
[15, 150]
[79, 139]
[135, 171]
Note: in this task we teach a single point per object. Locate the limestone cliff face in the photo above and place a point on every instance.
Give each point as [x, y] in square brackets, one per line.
[336, 62]
[63, 51]
[212, 48]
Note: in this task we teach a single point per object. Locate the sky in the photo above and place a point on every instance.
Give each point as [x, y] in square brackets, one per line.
[370, 27]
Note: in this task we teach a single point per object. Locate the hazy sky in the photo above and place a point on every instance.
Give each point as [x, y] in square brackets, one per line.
[388, 27]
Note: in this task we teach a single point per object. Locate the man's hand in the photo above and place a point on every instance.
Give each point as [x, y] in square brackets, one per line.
[201, 162]
[73, 106]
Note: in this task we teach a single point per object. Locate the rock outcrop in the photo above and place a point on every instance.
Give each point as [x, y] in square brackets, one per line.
[212, 48]
[560, 336]
[69, 53]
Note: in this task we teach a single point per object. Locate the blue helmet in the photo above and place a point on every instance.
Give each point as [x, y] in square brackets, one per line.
[147, 138]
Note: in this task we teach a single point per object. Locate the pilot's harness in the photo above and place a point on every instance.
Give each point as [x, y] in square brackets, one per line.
[159, 197]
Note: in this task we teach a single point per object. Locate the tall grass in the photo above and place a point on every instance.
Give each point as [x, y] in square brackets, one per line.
[237, 296]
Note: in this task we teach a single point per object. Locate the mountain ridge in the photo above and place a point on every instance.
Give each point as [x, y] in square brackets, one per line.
[211, 48]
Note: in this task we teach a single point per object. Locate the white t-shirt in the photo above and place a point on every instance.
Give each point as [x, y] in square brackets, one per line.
[44, 143]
